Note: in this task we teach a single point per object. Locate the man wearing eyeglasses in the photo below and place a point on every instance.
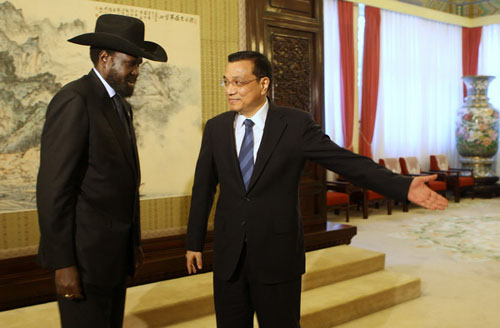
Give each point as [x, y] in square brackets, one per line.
[255, 153]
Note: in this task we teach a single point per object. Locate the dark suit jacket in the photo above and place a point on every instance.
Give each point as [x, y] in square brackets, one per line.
[268, 215]
[87, 189]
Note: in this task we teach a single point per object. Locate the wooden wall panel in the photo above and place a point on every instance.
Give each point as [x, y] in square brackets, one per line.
[293, 7]
[292, 71]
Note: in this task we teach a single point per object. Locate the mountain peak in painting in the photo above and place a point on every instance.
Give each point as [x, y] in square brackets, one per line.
[11, 19]
[36, 60]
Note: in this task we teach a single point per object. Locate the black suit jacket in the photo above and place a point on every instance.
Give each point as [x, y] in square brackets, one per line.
[268, 214]
[87, 189]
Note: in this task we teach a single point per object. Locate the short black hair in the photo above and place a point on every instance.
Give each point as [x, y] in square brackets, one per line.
[94, 54]
[262, 65]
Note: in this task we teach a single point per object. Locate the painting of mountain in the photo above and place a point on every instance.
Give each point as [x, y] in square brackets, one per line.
[36, 61]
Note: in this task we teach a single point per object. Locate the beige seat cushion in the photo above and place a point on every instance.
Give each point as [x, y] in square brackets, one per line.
[413, 165]
[442, 162]
[393, 165]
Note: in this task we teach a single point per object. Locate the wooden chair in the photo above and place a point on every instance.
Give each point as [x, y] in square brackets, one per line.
[369, 197]
[410, 166]
[366, 197]
[393, 165]
[338, 197]
[457, 180]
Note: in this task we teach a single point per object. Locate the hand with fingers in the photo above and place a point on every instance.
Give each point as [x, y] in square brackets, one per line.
[67, 282]
[194, 262]
[420, 194]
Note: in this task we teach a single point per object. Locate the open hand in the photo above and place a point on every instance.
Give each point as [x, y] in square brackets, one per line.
[420, 194]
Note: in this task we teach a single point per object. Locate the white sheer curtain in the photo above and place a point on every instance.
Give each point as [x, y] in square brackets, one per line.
[489, 64]
[420, 88]
[333, 118]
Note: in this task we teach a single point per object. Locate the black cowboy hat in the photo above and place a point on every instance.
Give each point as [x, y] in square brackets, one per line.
[124, 34]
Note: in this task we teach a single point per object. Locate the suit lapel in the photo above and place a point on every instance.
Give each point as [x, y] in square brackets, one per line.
[228, 131]
[272, 132]
[109, 111]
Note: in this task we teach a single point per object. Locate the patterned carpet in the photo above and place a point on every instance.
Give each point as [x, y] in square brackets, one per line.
[455, 252]
[469, 238]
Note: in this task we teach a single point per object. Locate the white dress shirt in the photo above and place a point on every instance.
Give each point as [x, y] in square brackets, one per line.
[259, 120]
[109, 89]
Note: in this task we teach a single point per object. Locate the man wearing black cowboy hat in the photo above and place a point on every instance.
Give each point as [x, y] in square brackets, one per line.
[87, 189]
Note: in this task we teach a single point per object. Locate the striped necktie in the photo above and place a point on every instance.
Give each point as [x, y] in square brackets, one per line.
[246, 153]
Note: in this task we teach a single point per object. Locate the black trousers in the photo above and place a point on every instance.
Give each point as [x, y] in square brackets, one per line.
[236, 300]
[101, 308]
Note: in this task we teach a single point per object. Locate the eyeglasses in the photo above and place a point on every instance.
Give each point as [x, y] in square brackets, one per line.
[226, 83]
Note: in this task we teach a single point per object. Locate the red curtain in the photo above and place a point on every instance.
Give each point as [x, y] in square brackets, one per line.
[346, 34]
[471, 37]
[371, 65]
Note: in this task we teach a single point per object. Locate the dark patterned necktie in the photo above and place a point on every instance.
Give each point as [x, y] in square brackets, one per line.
[246, 153]
[124, 117]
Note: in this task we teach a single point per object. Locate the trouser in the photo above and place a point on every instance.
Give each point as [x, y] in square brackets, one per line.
[236, 300]
[101, 308]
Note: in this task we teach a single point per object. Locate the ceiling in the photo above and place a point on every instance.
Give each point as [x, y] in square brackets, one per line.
[465, 8]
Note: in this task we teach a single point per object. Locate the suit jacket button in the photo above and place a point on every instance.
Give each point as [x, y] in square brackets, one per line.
[247, 199]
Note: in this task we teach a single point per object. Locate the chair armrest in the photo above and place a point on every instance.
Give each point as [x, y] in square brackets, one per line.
[445, 172]
[339, 186]
[337, 183]
[471, 171]
[441, 175]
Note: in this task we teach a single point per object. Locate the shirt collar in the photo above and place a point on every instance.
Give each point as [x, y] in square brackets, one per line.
[259, 118]
[109, 89]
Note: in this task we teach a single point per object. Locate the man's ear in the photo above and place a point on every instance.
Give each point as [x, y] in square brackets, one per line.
[103, 63]
[104, 56]
[265, 84]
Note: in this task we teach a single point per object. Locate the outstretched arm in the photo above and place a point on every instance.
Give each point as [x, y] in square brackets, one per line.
[420, 194]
